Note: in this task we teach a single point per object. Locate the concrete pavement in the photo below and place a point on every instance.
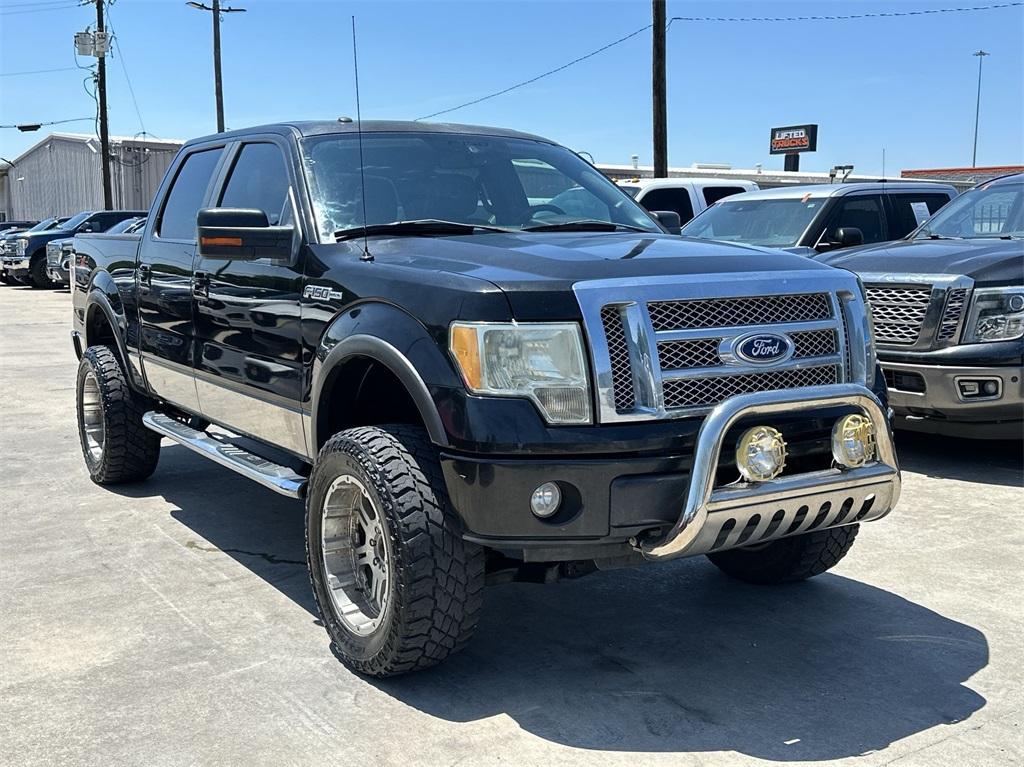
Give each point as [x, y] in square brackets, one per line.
[171, 623]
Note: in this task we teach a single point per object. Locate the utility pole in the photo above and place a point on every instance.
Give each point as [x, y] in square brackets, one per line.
[977, 107]
[659, 92]
[216, 11]
[101, 86]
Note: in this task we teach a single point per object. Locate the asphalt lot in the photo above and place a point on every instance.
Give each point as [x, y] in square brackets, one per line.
[171, 623]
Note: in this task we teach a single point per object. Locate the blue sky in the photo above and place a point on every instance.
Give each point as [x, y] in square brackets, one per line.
[905, 84]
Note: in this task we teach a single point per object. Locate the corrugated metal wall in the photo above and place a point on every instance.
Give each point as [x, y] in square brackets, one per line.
[62, 177]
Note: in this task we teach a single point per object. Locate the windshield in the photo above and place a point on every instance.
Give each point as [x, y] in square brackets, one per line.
[994, 211]
[772, 223]
[122, 226]
[632, 191]
[73, 222]
[509, 183]
[42, 226]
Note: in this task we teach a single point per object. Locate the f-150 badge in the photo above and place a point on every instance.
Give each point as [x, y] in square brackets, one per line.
[321, 293]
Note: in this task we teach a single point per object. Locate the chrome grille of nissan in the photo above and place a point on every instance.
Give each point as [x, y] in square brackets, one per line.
[667, 349]
[917, 311]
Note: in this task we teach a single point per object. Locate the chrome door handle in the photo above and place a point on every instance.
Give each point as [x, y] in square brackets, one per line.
[201, 285]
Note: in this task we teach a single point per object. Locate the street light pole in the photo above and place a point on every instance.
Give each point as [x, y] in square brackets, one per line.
[977, 107]
[216, 11]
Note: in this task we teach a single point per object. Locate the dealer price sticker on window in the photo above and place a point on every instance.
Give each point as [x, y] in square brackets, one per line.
[921, 212]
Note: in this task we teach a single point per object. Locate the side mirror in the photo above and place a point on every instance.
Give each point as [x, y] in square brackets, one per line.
[87, 227]
[669, 219]
[242, 234]
[848, 237]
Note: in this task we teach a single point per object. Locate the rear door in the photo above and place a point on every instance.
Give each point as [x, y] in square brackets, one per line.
[248, 336]
[164, 279]
[908, 210]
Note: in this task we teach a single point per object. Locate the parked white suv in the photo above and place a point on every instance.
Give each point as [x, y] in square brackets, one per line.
[685, 196]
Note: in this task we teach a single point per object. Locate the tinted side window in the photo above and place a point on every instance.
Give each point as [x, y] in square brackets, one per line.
[864, 213]
[178, 219]
[910, 210]
[259, 180]
[669, 199]
[713, 194]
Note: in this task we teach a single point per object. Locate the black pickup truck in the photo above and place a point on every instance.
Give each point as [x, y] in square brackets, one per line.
[948, 306]
[467, 384]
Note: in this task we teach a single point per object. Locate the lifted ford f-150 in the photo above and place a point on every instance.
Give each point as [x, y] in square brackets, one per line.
[466, 383]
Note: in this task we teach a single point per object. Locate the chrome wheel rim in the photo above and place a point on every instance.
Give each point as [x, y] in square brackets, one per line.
[93, 428]
[356, 555]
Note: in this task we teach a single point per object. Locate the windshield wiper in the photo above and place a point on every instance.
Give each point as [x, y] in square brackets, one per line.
[933, 236]
[585, 225]
[424, 226]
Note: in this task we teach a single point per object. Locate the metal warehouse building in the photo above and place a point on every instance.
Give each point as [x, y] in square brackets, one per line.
[61, 175]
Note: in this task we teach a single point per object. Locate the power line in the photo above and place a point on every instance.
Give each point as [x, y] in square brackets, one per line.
[852, 16]
[124, 69]
[51, 122]
[502, 92]
[602, 49]
[37, 71]
[39, 10]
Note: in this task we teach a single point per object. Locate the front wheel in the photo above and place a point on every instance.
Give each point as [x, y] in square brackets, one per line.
[788, 559]
[37, 276]
[116, 445]
[397, 587]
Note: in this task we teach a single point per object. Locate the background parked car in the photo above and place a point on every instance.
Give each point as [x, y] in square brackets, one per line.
[27, 262]
[60, 252]
[6, 226]
[948, 306]
[685, 196]
[8, 237]
[822, 217]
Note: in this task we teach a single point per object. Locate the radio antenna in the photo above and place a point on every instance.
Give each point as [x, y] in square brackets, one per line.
[366, 256]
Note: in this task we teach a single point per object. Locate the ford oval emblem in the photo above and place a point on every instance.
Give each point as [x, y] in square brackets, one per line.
[763, 348]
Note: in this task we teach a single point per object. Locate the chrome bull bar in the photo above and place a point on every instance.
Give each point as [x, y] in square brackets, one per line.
[750, 513]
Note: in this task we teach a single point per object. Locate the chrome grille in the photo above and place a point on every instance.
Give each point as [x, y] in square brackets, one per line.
[618, 352]
[681, 355]
[732, 312]
[815, 343]
[950, 321]
[696, 392]
[899, 313]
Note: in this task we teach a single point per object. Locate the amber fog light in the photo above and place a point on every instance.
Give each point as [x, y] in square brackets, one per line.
[853, 441]
[760, 454]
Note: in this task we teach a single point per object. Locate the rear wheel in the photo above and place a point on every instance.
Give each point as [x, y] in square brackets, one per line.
[788, 559]
[397, 587]
[115, 444]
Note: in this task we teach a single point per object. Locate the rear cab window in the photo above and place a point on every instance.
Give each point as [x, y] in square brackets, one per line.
[677, 200]
[908, 210]
[713, 194]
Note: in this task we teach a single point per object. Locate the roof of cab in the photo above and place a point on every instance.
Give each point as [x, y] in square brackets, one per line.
[838, 190]
[1010, 178]
[345, 125]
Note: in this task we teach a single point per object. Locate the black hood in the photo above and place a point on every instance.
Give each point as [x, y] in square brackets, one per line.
[987, 261]
[541, 267]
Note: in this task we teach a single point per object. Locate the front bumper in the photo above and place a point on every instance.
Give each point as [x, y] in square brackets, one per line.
[669, 506]
[15, 266]
[58, 272]
[928, 398]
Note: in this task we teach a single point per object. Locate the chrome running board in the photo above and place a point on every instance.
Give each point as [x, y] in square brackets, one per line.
[278, 478]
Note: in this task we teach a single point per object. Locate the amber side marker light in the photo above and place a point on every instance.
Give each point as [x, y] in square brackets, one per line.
[231, 242]
[466, 348]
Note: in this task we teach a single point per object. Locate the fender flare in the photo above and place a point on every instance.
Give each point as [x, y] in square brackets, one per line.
[98, 301]
[384, 353]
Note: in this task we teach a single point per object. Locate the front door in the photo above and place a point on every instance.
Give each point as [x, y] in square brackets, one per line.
[248, 337]
[164, 278]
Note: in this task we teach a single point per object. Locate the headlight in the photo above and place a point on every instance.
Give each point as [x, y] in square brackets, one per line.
[20, 246]
[869, 344]
[542, 362]
[996, 314]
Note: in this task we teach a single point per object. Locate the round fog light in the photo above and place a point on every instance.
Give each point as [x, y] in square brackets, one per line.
[760, 454]
[853, 441]
[545, 500]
